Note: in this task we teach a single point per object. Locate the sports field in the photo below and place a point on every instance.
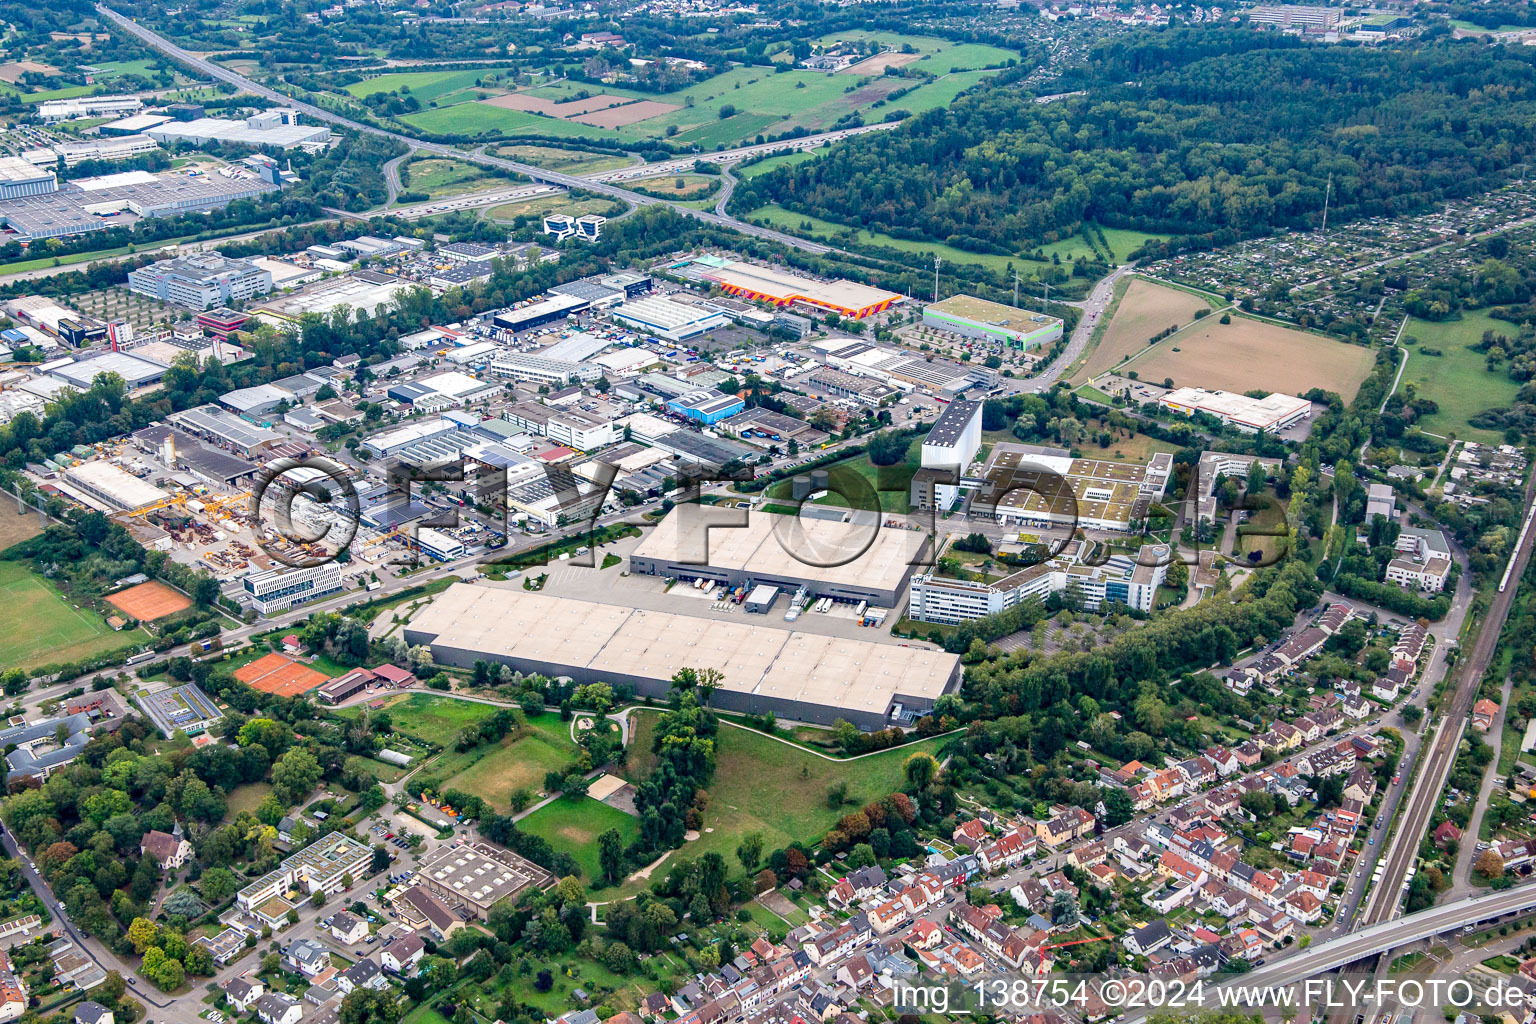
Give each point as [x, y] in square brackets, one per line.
[39, 627]
[572, 826]
[1251, 354]
[1457, 379]
[938, 56]
[150, 601]
[278, 674]
[1144, 310]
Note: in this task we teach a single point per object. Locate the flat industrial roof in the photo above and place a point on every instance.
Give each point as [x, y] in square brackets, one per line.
[1011, 318]
[879, 558]
[859, 675]
[123, 489]
[781, 284]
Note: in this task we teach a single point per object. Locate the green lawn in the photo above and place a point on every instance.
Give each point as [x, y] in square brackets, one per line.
[1122, 243]
[814, 227]
[572, 826]
[492, 773]
[39, 627]
[569, 161]
[773, 162]
[439, 178]
[430, 718]
[762, 785]
[892, 484]
[478, 118]
[1457, 379]
[246, 797]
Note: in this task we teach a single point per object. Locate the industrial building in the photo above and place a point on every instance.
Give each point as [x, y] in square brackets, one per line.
[88, 106]
[278, 128]
[971, 317]
[543, 369]
[200, 281]
[280, 589]
[89, 204]
[136, 372]
[667, 318]
[214, 424]
[1271, 413]
[1027, 485]
[19, 177]
[847, 561]
[118, 148]
[390, 442]
[707, 406]
[477, 875]
[783, 288]
[800, 676]
[537, 314]
[115, 489]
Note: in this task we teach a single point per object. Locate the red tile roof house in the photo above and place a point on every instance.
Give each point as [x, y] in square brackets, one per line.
[1482, 714]
[1447, 833]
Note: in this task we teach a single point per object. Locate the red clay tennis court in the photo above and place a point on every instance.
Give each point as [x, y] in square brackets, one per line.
[149, 601]
[276, 674]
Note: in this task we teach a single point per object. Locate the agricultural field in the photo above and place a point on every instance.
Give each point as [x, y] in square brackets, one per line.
[1145, 309]
[572, 826]
[440, 178]
[426, 86]
[798, 810]
[1457, 379]
[516, 762]
[1252, 354]
[730, 108]
[39, 627]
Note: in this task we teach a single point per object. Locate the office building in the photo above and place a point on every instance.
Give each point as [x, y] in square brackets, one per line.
[952, 445]
[276, 590]
[1121, 579]
[1026, 485]
[200, 281]
[326, 865]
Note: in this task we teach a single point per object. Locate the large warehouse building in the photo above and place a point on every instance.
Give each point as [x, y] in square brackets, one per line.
[970, 317]
[782, 288]
[787, 551]
[803, 676]
[1270, 413]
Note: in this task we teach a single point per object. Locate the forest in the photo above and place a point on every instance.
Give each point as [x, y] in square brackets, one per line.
[1189, 131]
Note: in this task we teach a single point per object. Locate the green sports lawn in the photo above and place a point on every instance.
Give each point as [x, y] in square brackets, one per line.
[572, 826]
[39, 627]
[1457, 380]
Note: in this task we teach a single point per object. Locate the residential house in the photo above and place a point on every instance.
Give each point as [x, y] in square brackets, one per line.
[88, 1013]
[348, 928]
[1147, 939]
[279, 1008]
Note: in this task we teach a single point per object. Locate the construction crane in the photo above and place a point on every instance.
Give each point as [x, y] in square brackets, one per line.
[173, 500]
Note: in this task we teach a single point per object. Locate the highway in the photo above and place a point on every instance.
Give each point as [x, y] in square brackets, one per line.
[539, 174]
